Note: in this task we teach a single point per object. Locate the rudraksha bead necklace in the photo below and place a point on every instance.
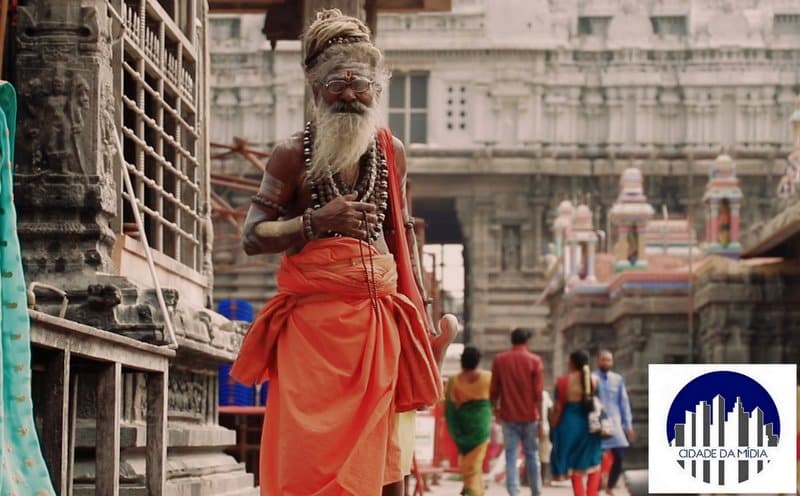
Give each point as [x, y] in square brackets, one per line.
[372, 186]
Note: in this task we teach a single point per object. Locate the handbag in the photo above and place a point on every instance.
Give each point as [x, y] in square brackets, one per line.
[599, 423]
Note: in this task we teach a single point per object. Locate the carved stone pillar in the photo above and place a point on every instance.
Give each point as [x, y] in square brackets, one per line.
[65, 191]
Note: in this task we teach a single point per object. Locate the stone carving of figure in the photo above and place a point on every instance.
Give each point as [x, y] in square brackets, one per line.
[59, 129]
[208, 249]
[633, 244]
[30, 101]
[78, 103]
[108, 129]
[511, 248]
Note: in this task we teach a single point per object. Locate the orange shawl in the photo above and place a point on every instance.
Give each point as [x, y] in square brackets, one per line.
[333, 363]
[419, 384]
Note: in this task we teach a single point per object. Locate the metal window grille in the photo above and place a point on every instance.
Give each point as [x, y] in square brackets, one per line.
[160, 126]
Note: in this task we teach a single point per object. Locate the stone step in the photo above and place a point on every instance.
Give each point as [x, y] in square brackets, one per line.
[239, 484]
[231, 484]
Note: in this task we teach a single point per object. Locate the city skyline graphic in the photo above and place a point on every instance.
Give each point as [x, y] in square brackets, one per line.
[728, 443]
[729, 438]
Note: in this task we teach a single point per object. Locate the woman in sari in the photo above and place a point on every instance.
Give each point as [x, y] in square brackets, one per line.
[576, 453]
[469, 418]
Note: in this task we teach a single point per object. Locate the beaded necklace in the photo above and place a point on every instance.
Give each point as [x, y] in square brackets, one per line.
[372, 185]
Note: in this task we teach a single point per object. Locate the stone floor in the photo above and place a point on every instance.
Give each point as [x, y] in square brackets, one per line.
[449, 486]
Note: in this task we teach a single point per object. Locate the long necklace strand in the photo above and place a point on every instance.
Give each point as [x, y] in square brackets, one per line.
[369, 188]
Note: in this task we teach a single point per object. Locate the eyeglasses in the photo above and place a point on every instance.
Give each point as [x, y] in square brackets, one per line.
[358, 85]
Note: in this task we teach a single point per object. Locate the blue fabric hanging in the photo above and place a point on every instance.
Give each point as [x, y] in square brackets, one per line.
[22, 468]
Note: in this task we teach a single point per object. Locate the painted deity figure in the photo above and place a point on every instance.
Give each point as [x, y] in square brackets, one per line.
[633, 244]
[724, 219]
[583, 270]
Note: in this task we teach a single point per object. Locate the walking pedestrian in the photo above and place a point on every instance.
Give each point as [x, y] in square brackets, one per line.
[576, 452]
[617, 406]
[469, 418]
[516, 394]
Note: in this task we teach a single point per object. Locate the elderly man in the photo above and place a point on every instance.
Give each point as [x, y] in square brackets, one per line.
[345, 342]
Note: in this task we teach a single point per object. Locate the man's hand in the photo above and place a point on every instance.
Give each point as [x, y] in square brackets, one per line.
[448, 328]
[631, 435]
[345, 216]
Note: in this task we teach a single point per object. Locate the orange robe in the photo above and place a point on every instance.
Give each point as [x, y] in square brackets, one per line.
[332, 361]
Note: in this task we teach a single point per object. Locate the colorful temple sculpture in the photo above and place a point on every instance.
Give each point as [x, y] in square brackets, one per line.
[723, 199]
[630, 215]
[582, 240]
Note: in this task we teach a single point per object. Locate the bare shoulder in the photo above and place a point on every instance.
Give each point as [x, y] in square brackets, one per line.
[398, 145]
[399, 156]
[286, 160]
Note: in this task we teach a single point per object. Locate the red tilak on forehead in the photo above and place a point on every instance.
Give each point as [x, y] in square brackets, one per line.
[348, 74]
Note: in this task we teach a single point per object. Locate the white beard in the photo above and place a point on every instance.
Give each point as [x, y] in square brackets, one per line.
[340, 139]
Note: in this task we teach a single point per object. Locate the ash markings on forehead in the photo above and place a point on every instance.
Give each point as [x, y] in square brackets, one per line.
[350, 71]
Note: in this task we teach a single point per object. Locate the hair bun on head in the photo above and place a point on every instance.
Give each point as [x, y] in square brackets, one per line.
[332, 27]
[324, 15]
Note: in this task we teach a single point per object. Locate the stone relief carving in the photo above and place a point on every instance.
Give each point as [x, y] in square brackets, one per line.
[511, 255]
[107, 129]
[207, 238]
[53, 121]
[188, 395]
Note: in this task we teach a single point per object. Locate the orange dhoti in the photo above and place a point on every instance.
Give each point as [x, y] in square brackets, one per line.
[332, 360]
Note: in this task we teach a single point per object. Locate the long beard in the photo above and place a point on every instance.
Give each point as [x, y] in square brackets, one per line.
[341, 138]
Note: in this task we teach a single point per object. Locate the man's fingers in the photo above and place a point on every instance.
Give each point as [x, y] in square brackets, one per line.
[362, 206]
[351, 196]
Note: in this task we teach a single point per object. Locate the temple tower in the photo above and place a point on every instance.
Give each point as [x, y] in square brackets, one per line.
[630, 215]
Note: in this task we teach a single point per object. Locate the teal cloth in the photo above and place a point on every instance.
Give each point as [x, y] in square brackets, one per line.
[574, 449]
[23, 471]
[470, 424]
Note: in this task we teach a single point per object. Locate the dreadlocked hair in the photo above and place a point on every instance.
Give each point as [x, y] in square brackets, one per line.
[330, 32]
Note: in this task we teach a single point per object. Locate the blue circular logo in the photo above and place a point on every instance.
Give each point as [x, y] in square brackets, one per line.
[723, 427]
